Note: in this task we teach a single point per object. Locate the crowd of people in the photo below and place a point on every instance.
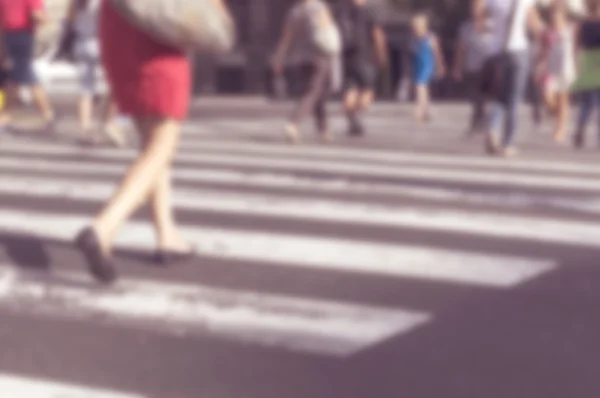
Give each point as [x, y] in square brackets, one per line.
[504, 45]
[19, 20]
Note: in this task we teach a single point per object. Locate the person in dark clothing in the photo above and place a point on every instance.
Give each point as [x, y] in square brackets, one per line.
[588, 40]
[364, 52]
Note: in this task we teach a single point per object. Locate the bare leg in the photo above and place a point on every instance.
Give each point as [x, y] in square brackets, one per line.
[351, 101]
[351, 106]
[110, 111]
[41, 100]
[422, 108]
[161, 205]
[11, 93]
[563, 113]
[86, 110]
[162, 137]
[110, 127]
[551, 101]
[365, 100]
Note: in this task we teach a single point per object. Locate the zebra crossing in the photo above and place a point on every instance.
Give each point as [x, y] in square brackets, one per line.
[363, 212]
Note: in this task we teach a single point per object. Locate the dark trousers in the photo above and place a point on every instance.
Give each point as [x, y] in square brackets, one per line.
[477, 99]
[537, 100]
[590, 101]
[20, 50]
[316, 78]
[505, 109]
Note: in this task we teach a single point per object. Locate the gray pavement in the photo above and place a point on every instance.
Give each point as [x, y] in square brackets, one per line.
[404, 264]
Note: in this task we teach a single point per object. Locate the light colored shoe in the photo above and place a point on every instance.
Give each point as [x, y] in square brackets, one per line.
[115, 135]
[492, 144]
[326, 137]
[510, 152]
[292, 134]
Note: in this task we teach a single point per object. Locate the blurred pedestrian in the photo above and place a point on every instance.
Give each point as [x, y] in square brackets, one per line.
[151, 82]
[365, 51]
[535, 88]
[588, 60]
[506, 71]
[311, 27]
[427, 63]
[83, 21]
[472, 50]
[19, 20]
[558, 66]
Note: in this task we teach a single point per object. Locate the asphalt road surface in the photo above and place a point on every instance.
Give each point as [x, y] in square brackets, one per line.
[402, 265]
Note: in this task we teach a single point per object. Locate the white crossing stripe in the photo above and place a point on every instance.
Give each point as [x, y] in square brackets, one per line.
[202, 199]
[396, 260]
[312, 326]
[395, 158]
[392, 158]
[299, 184]
[12, 386]
[459, 221]
[485, 178]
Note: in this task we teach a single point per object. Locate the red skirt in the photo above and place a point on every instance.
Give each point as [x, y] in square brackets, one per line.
[147, 78]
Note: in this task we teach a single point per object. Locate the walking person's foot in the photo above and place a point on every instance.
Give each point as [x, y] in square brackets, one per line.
[428, 117]
[170, 253]
[510, 152]
[292, 133]
[492, 144]
[325, 137]
[356, 129]
[86, 136]
[50, 125]
[115, 135]
[100, 263]
[578, 141]
[559, 137]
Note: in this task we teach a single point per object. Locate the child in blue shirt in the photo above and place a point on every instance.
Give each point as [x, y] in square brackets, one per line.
[427, 61]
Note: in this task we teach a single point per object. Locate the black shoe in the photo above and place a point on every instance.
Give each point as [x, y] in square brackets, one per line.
[166, 258]
[356, 129]
[100, 266]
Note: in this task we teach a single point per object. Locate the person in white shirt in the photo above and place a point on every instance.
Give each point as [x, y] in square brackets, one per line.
[511, 23]
[472, 51]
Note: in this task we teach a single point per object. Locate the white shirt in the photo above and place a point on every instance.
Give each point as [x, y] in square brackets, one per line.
[499, 11]
[87, 44]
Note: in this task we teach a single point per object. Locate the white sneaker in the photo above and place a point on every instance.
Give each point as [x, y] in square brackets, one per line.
[326, 137]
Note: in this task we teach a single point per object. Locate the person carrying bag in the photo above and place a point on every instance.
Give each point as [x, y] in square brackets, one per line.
[198, 25]
[311, 27]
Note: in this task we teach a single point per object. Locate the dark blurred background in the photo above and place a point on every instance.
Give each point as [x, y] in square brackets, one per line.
[246, 70]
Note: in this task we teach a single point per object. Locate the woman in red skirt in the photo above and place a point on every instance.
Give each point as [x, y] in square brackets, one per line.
[151, 82]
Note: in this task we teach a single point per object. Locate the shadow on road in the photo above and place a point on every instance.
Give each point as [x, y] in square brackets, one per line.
[26, 251]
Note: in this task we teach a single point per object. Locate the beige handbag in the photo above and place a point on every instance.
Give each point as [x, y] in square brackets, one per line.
[326, 34]
[190, 25]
